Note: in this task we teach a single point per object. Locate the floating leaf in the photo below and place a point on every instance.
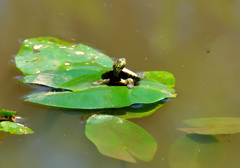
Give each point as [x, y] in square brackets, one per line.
[7, 113]
[8, 125]
[72, 68]
[162, 77]
[213, 126]
[49, 54]
[120, 139]
[73, 79]
[196, 151]
[14, 128]
[104, 96]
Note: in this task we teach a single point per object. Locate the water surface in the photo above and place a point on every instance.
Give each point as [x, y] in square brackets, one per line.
[197, 41]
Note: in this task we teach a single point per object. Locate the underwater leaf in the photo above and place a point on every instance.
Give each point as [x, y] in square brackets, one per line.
[196, 151]
[120, 139]
[213, 126]
[14, 128]
[134, 111]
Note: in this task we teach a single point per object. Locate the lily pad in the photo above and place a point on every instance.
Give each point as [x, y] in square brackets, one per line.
[7, 113]
[72, 69]
[49, 54]
[92, 97]
[196, 151]
[213, 126]
[73, 79]
[165, 78]
[7, 124]
[14, 128]
[120, 139]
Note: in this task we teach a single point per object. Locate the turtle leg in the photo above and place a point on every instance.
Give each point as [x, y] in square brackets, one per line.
[130, 83]
[141, 75]
[100, 82]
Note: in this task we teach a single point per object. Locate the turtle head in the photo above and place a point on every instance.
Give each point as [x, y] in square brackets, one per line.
[119, 65]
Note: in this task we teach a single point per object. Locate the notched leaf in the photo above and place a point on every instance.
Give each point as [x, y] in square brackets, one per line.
[196, 151]
[120, 139]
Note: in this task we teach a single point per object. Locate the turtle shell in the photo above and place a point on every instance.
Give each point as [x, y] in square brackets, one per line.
[124, 74]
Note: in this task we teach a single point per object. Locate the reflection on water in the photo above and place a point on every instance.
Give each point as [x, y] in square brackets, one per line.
[197, 41]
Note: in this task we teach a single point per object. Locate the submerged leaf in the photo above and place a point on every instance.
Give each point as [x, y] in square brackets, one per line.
[120, 139]
[14, 128]
[134, 111]
[213, 126]
[196, 151]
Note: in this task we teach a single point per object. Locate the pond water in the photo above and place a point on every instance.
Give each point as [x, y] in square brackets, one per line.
[197, 41]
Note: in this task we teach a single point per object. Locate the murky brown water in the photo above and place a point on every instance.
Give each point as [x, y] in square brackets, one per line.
[197, 41]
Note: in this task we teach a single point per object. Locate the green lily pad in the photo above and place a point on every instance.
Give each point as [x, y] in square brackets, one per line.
[7, 113]
[72, 69]
[213, 126]
[162, 77]
[73, 80]
[196, 151]
[14, 128]
[7, 124]
[42, 54]
[120, 139]
[92, 97]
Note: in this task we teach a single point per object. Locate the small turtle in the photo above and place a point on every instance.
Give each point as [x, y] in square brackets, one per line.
[120, 76]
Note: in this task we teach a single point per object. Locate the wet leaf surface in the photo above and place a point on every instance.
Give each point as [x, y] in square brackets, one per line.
[120, 139]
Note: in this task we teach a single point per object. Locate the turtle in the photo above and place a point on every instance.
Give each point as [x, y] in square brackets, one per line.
[120, 76]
